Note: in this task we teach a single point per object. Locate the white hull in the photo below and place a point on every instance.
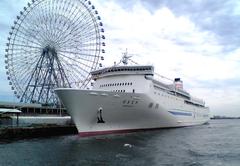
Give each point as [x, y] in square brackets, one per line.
[128, 111]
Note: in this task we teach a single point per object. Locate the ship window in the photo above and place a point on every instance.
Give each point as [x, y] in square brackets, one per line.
[136, 102]
[157, 105]
[131, 83]
[150, 105]
[117, 84]
[125, 83]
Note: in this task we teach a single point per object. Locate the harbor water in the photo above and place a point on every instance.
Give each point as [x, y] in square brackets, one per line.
[214, 144]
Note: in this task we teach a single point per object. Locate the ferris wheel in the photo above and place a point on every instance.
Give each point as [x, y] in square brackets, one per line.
[53, 43]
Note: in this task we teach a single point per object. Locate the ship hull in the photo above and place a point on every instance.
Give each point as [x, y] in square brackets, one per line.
[97, 112]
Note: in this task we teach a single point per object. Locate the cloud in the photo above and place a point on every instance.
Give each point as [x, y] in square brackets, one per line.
[171, 37]
[195, 40]
[220, 17]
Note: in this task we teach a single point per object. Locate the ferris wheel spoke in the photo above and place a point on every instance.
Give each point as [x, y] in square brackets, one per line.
[23, 74]
[74, 76]
[83, 45]
[79, 58]
[76, 38]
[26, 42]
[66, 63]
[75, 23]
[78, 30]
[19, 54]
[56, 33]
[74, 32]
[21, 70]
[49, 14]
[22, 30]
[71, 73]
[45, 19]
[18, 37]
[25, 78]
[28, 46]
[74, 14]
[83, 64]
[76, 53]
[27, 36]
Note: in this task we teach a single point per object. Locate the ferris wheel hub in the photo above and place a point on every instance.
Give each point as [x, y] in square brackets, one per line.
[48, 50]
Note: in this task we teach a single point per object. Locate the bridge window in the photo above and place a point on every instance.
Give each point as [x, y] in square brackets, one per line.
[150, 105]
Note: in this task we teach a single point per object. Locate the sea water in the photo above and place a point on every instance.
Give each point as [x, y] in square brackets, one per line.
[215, 144]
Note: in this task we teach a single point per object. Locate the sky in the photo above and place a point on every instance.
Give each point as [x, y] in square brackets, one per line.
[196, 40]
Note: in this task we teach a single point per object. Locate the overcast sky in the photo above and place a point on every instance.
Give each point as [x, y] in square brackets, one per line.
[197, 40]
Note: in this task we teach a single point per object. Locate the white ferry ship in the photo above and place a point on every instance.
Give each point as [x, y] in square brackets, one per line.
[129, 98]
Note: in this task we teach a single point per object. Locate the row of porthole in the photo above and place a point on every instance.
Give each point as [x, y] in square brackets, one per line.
[129, 102]
[130, 69]
[116, 84]
[151, 105]
[118, 91]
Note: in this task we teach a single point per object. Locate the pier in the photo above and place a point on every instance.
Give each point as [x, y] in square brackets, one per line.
[24, 121]
[35, 131]
[33, 109]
